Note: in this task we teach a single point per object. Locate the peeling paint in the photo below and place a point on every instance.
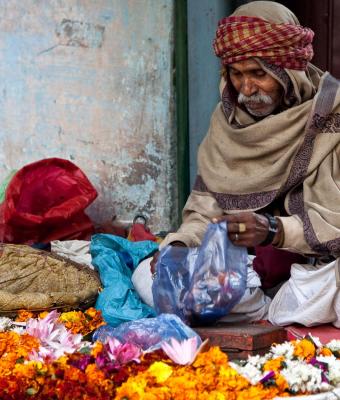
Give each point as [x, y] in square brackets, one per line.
[80, 34]
[96, 90]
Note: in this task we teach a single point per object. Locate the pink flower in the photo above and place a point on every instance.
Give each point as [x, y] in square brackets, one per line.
[183, 353]
[55, 339]
[122, 353]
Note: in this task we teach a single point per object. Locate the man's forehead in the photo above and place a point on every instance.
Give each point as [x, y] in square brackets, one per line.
[244, 65]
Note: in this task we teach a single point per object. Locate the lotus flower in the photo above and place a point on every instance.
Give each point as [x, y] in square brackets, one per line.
[55, 339]
[122, 353]
[185, 352]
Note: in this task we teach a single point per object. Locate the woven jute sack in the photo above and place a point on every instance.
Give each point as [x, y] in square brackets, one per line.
[39, 280]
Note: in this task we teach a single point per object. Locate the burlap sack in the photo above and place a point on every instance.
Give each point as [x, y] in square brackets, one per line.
[38, 280]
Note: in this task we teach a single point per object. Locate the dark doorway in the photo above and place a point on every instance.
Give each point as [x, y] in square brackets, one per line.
[323, 18]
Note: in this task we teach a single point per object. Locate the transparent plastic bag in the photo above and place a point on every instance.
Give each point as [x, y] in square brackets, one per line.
[148, 333]
[201, 284]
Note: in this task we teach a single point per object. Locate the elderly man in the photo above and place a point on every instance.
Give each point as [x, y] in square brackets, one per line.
[269, 164]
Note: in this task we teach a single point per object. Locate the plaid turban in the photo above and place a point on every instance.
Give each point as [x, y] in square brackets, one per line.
[286, 45]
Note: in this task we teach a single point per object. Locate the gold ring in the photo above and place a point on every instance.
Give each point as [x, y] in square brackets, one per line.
[236, 237]
[242, 227]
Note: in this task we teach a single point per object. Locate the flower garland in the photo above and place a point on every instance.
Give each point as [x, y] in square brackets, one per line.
[48, 359]
[76, 321]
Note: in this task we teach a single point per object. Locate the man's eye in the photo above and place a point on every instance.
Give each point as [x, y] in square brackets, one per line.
[260, 74]
[234, 73]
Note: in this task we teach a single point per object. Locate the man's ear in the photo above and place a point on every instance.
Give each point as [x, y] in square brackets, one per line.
[224, 72]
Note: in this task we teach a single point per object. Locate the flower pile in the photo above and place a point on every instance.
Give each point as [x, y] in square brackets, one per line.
[49, 359]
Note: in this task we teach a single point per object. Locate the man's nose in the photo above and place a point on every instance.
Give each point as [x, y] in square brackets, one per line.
[248, 87]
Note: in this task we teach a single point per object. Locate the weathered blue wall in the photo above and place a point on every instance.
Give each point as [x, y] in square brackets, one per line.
[91, 81]
[204, 69]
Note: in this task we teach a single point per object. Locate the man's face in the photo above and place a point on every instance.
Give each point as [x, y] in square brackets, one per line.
[260, 93]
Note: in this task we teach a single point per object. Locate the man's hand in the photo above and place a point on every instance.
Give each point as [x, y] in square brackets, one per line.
[247, 229]
[154, 262]
[156, 255]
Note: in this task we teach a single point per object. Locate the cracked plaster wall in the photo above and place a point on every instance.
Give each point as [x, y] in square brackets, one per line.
[91, 81]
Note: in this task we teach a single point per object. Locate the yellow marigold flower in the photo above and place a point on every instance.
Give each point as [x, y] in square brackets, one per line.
[304, 349]
[71, 316]
[31, 370]
[228, 372]
[63, 360]
[160, 371]
[43, 314]
[274, 364]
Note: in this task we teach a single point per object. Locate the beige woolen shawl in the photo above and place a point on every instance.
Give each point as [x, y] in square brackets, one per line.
[246, 164]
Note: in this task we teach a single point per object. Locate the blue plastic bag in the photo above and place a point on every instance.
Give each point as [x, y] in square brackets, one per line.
[201, 284]
[148, 333]
[116, 258]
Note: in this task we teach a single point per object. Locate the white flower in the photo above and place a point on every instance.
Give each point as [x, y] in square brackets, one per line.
[18, 329]
[333, 368]
[285, 349]
[258, 361]
[315, 340]
[248, 371]
[334, 345]
[6, 324]
[302, 377]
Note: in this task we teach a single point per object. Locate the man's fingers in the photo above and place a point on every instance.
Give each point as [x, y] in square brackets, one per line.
[234, 227]
[237, 218]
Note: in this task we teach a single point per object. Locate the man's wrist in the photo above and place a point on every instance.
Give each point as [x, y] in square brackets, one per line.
[272, 230]
[279, 236]
[178, 244]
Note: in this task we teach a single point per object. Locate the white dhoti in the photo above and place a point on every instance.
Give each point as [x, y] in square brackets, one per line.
[310, 297]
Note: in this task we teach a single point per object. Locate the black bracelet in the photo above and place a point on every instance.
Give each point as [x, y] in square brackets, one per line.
[272, 230]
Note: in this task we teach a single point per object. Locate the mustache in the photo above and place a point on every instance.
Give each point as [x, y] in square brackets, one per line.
[254, 98]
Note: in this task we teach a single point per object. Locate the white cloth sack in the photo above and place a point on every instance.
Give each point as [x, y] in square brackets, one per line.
[76, 250]
[142, 281]
[310, 297]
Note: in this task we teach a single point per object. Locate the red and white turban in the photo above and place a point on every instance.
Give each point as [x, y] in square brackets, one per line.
[286, 45]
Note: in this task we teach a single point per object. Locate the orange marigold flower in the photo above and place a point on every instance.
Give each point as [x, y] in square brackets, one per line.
[97, 349]
[213, 355]
[24, 315]
[83, 323]
[93, 373]
[74, 374]
[93, 313]
[274, 364]
[304, 349]
[132, 389]
[325, 351]
[258, 392]
[281, 383]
